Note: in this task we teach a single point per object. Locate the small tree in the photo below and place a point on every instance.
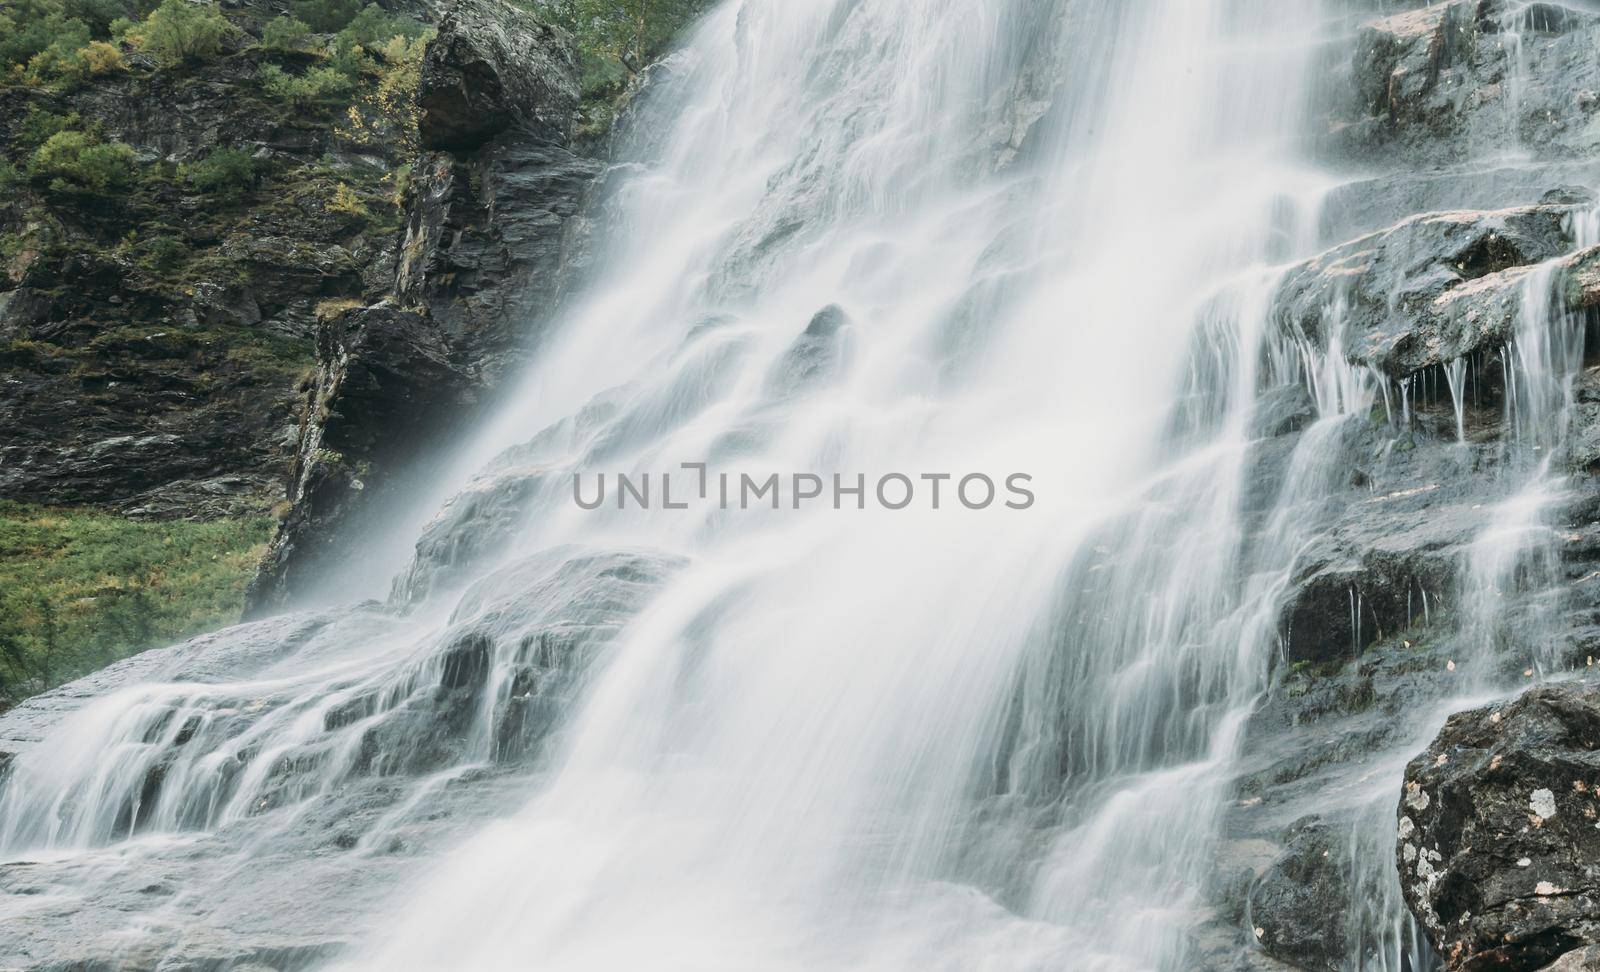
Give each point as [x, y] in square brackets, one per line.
[285, 33]
[386, 113]
[225, 173]
[76, 162]
[631, 31]
[179, 31]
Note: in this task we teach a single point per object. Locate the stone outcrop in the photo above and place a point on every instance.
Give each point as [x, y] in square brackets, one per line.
[1457, 81]
[1499, 832]
[1435, 287]
[480, 264]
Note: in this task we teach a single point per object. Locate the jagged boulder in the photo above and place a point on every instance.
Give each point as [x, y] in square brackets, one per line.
[1498, 841]
[493, 67]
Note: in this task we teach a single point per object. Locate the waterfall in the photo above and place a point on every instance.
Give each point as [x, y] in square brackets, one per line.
[924, 738]
[859, 249]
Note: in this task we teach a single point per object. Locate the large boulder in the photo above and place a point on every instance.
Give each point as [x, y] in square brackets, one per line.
[1498, 840]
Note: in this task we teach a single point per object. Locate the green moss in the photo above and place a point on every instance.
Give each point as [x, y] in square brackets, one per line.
[81, 588]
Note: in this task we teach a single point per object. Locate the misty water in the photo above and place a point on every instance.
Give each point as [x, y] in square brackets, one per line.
[863, 238]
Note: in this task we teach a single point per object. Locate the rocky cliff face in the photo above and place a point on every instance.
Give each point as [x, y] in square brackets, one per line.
[153, 340]
[493, 201]
[1478, 118]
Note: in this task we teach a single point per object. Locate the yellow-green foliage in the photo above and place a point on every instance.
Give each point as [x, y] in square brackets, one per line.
[307, 90]
[73, 161]
[99, 57]
[285, 34]
[179, 31]
[81, 588]
[386, 112]
[345, 200]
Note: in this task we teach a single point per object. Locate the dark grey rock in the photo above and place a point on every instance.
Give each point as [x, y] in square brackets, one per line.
[1300, 902]
[1469, 79]
[1432, 288]
[491, 68]
[1498, 837]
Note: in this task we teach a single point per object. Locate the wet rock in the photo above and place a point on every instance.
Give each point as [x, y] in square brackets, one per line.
[521, 639]
[486, 245]
[1582, 960]
[1431, 288]
[630, 136]
[1464, 79]
[817, 355]
[388, 387]
[480, 522]
[1300, 902]
[1499, 828]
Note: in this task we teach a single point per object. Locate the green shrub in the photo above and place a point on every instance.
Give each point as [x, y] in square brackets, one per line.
[373, 27]
[285, 34]
[350, 59]
[98, 14]
[76, 162]
[162, 253]
[30, 27]
[326, 16]
[226, 172]
[179, 31]
[38, 125]
[56, 59]
[627, 33]
[50, 30]
[316, 86]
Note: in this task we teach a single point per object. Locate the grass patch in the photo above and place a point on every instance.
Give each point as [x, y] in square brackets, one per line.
[82, 588]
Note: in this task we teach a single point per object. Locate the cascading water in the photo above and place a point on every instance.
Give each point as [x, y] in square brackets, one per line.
[843, 740]
[881, 237]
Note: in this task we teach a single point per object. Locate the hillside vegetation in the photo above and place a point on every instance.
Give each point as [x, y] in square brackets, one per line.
[186, 190]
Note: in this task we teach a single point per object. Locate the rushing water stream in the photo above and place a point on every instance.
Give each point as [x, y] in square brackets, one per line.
[866, 237]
